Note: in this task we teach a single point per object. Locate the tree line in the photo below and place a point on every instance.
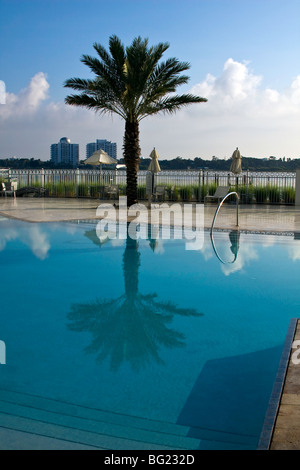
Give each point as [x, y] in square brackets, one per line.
[178, 163]
[248, 163]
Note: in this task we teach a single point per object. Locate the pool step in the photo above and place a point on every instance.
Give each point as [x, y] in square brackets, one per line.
[81, 425]
[86, 426]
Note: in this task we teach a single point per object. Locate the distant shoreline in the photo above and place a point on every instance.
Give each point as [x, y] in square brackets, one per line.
[215, 164]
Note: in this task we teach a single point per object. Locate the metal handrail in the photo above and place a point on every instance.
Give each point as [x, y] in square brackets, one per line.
[220, 205]
[213, 223]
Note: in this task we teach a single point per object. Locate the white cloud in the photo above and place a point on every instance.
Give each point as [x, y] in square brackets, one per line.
[36, 92]
[240, 112]
[28, 100]
[30, 123]
[234, 85]
[2, 92]
[295, 91]
[238, 90]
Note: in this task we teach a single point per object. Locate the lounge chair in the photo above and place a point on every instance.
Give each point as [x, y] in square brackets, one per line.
[111, 191]
[8, 190]
[220, 193]
[160, 193]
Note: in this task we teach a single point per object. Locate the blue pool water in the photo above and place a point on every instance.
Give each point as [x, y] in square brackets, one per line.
[143, 344]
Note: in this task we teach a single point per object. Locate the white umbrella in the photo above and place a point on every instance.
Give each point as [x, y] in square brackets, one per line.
[236, 165]
[100, 157]
[154, 165]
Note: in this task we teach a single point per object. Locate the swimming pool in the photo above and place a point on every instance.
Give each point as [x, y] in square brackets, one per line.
[142, 344]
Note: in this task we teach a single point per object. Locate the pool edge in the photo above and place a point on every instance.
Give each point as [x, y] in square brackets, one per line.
[273, 407]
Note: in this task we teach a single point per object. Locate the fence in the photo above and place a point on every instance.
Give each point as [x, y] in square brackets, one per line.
[253, 187]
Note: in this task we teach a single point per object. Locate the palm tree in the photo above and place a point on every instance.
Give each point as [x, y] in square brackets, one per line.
[132, 83]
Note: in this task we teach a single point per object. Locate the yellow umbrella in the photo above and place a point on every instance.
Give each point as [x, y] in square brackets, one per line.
[154, 165]
[236, 165]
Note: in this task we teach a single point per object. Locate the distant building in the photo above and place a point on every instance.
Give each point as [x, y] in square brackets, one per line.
[65, 153]
[106, 145]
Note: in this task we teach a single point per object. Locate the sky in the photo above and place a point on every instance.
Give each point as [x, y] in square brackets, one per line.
[243, 54]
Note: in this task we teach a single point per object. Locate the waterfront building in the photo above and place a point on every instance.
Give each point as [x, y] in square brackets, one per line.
[109, 147]
[65, 153]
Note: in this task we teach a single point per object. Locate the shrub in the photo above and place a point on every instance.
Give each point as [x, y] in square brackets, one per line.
[288, 195]
[185, 192]
[142, 191]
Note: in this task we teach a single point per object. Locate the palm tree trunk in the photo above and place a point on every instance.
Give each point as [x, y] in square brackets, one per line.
[132, 154]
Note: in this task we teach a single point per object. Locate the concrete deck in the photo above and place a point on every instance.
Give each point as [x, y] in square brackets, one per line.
[256, 218]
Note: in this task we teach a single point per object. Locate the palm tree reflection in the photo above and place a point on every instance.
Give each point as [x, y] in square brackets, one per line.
[133, 327]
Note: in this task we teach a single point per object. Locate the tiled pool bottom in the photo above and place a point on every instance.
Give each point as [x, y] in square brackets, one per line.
[142, 346]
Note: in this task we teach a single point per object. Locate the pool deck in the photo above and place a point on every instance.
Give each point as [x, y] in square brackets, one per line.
[284, 427]
[255, 218]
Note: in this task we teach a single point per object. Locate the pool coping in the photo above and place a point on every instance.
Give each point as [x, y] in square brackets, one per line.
[206, 228]
[265, 219]
[274, 403]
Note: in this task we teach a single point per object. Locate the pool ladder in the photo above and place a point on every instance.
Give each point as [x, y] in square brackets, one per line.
[213, 223]
[220, 205]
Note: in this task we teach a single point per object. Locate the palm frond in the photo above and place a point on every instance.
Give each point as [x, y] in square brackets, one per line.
[170, 104]
[79, 84]
[97, 103]
[118, 53]
[84, 100]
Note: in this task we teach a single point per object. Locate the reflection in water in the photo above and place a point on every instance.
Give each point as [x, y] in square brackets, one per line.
[132, 327]
[33, 236]
[234, 237]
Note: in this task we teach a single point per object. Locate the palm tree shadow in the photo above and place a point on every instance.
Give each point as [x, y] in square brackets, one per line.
[133, 327]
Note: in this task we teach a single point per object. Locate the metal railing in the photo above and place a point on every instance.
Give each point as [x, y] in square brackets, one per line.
[180, 185]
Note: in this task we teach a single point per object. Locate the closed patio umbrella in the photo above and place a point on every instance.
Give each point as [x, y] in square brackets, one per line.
[152, 168]
[154, 165]
[236, 165]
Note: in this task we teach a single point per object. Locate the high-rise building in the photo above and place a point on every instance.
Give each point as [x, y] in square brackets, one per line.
[65, 153]
[106, 145]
